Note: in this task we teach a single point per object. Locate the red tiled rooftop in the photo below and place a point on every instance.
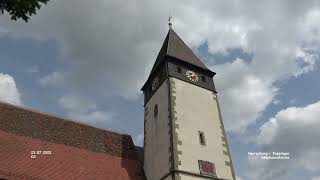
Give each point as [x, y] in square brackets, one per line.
[78, 151]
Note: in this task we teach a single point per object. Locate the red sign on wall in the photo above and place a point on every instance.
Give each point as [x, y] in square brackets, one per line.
[207, 168]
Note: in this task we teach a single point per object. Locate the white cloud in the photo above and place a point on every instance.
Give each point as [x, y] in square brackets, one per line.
[277, 55]
[111, 48]
[316, 178]
[75, 103]
[310, 29]
[221, 33]
[33, 69]
[276, 101]
[138, 140]
[52, 79]
[8, 90]
[91, 117]
[292, 119]
[294, 130]
[307, 60]
[243, 94]
[84, 110]
[293, 101]
[269, 131]
[117, 42]
[279, 41]
[238, 178]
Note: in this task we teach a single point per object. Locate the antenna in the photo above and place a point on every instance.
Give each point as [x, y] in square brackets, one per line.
[169, 20]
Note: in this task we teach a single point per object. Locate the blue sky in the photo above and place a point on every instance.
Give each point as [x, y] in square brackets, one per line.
[91, 67]
[38, 59]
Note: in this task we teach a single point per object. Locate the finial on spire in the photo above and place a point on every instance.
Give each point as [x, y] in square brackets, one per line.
[169, 20]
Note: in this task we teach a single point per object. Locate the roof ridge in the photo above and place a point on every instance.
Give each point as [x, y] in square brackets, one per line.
[59, 117]
[190, 57]
[168, 41]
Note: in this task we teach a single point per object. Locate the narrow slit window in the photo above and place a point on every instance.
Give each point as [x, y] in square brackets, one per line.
[179, 70]
[202, 138]
[203, 78]
[155, 113]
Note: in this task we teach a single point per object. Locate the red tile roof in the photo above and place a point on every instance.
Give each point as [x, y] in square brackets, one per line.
[78, 151]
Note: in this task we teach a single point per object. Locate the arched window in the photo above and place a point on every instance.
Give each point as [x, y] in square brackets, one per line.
[155, 112]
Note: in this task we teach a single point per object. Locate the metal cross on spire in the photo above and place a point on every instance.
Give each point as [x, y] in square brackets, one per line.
[169, 20]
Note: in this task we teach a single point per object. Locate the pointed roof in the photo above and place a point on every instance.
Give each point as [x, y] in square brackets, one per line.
[175, 47]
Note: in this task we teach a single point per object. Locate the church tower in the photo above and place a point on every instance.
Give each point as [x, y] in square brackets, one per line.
[184, 136]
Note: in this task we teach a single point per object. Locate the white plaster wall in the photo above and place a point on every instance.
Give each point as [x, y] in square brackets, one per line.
[196, 110]
[156, 160]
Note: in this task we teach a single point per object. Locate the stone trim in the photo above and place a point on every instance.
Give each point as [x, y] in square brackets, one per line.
[175, 126]
[171, 147]
[224, 134]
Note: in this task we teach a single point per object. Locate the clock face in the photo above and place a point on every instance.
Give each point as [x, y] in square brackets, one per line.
[192, 76]
[155, 83]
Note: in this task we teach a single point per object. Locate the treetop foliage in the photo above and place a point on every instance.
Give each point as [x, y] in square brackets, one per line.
[23, 9]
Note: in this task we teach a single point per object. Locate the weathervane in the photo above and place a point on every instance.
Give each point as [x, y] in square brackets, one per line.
[169, 20]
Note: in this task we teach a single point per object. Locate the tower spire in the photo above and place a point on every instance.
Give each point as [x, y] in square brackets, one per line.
[182, 119]
[169, 21]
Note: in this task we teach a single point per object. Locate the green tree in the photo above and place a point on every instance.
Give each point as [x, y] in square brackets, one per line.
[23, 9]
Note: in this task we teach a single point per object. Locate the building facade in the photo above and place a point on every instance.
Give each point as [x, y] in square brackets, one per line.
[183, 128]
